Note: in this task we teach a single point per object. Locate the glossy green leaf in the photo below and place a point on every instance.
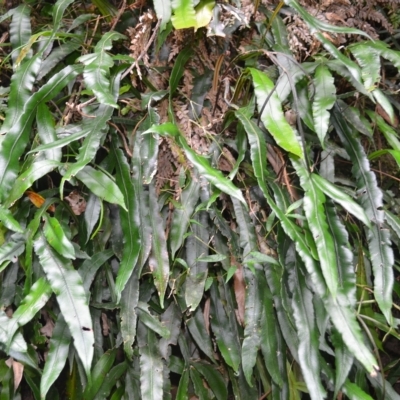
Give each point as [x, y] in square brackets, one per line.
[204, 13]
[225, 337]
[304, 317]
[56, 238]
[32, 303]
[314, 200]
[324, 99]
[57, 355]
[199, 388]
[46, 131]
[99, 373]
[390, 134]
[201, 164]
[182, 393]
[130, 221]
[97, 68]
[182, 215]
[370, 197]
[158, 260]
[272, 115]
[17, 133]
[384, 102]
[151, 321]
[151, 366]
[10, 250]
[67, 285]
[196, 248]
[9, 221]
[20, 31]
[184, 14]
[101, 185]
[369, 60]
[340, 197]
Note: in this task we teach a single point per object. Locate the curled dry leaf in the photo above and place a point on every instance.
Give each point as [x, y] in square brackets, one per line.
[239, 287]
[76, 202]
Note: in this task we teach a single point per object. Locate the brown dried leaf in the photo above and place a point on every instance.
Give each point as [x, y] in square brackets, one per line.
[76, 202]
[206, 314]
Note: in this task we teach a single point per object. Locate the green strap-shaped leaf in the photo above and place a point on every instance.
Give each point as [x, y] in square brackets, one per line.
[97, 68]
[10, 250]
[345, 322]
[370, 63]
[184, 14]
[17, 135]
[344, 255]
[46, 131]
[101, 185]
[324, 100]
[9, 221]
[151, 321]
[56, 238]
[129, 301]
[199, 333]
[308, 349]
[384, 102]
[272, 115]
[20, 30]
[99, 373]
[158, 260]
[182, 214]
[57, 355]
[370, 198]
[151, 365]
[67, 285]
[182, 393]
[316, 24]
[27, 178]
[203, 167]
[314, 200]
[340, 197]
[385, 51]
[225, 336]
[130, 222]
[199, 388]
[32, 303]
[196, 247]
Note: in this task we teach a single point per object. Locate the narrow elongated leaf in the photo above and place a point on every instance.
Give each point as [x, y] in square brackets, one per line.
[46, 131]
[201, 164]
[182, 393]
[37, 297]
[151, 321]
[196, 247]
[130, 222]
[314, 200]
[316, 24]
[340, 197]
[369, 60]
[324, 99]
[57, 355]
[384, 102]
[56, 238]
[99, 373]
[10, 250]
[28, 177]
[182, 215]
[17, 135]
[370, 198]
[97, 68]
[92, 214]
[225, 336]
[345, 322]
[257, 145]
[158, 260]
[151, 366]
[129, 301]
[272, 115]
[20, 30]
[66, 283]
[307, 333]
[9, 221]
[101, 185]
